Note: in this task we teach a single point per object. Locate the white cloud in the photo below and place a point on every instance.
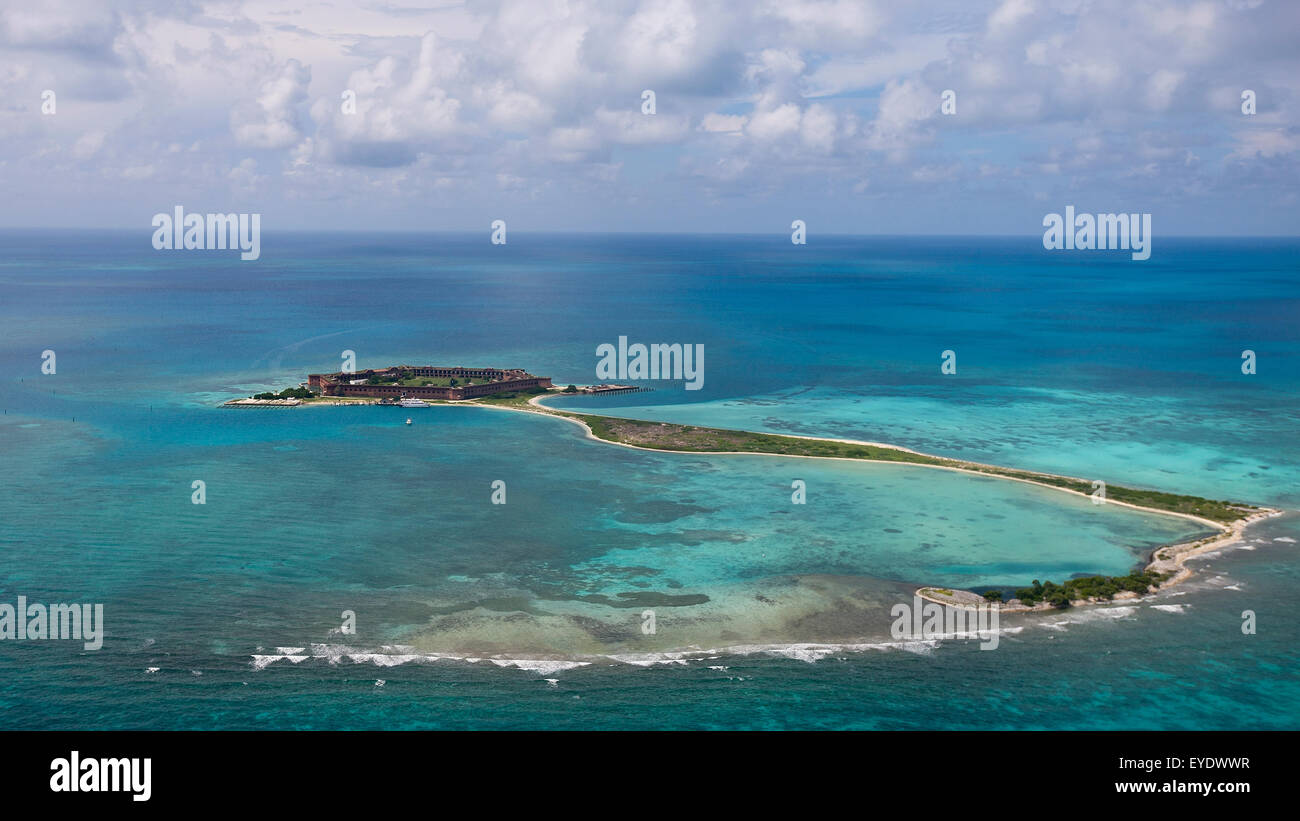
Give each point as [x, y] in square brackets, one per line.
[545, 95]
[775, 123]
[662, 39]
[1161, 88]
[822, 23]
[723, 123]
[1010, 13]
[818, 128]
[904, 106]
[634, 128]
[272, 122]
[1266, 143]
[88, 145]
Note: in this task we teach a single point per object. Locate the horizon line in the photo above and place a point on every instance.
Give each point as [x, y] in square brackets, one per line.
[148, 230]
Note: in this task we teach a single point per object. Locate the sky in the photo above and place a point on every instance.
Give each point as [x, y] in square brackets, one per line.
[433, 115]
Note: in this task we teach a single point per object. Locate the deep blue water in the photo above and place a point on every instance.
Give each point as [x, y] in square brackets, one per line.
[1084, 364]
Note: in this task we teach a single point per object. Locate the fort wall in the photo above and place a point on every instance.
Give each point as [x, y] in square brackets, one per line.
[337, 384]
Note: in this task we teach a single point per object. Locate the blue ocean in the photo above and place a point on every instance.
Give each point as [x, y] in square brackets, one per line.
[349, 571]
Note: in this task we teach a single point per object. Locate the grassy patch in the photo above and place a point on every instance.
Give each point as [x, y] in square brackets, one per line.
[514, 399]
[668, 436]
[437, 382]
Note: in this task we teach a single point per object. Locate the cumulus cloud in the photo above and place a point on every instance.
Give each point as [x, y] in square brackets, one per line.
[271, 121]
[904, 106]
[542, 98]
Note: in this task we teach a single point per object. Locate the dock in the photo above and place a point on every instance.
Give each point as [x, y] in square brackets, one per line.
[608, 389]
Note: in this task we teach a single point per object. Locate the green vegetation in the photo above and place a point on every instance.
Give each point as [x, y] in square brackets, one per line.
[673, 437]
[1220, 511]
[665, 436]
[287, 393]
[1100, 587]
[514, 399]
[689, 438]
[426, 381]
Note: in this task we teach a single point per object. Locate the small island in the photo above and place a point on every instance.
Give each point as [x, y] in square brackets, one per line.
[400, 382]
[1165, 567]
[518, 390]
[425, 382]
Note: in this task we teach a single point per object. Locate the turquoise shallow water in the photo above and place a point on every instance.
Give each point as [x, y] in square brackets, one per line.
[1134, 669]
[1072, 366]
[411, 542]
[1229, 447]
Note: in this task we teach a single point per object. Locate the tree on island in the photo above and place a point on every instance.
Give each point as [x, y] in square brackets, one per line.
[571, 389]
[1056, 595]
[287, 393]
[1031, 595]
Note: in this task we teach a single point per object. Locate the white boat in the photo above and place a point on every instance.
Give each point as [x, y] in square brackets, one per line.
[413, 403]
[408, 421]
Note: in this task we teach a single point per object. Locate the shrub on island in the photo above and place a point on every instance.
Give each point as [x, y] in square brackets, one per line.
[287, 393]
[1088, 587]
